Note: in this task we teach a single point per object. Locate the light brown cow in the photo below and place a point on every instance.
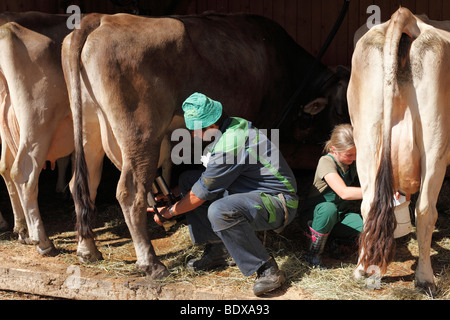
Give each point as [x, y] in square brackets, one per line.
[398, 99]
[128, 76]
[444, 25]
[36, 123]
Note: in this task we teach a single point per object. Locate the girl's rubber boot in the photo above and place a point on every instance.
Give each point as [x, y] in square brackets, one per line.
[315, 247]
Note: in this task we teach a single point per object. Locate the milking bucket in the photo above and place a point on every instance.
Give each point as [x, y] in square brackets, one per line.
[402, 216]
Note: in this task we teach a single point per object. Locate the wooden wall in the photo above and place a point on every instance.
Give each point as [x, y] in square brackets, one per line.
[307, 21]
[310, 21]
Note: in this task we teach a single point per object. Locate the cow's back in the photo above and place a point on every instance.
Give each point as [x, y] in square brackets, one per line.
[30, 62]
[251, 56]
[138, 60]
[249, 63]
[51, 25]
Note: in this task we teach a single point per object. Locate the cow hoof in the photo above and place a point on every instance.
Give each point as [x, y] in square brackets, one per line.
[91, 256]
[47, 252]
[157, 271]
[20, 228]
[87, 251]
[427, 287]
[359, 273]
[158, 274]
[24, 239]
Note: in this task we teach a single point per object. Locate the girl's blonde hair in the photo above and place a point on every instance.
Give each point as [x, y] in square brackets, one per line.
[341, 138]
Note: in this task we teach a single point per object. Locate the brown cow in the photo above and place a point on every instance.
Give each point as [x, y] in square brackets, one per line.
[128, 76]
[399, 106]
[36, 123]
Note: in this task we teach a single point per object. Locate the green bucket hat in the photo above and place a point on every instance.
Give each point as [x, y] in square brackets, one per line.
[201, 111]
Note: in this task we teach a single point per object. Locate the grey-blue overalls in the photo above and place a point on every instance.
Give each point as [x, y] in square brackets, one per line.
[241, 183]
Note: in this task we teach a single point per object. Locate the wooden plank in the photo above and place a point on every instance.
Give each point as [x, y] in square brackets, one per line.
[342, 39]
[279, 12]
[354, 22]
[304, 28]
[268, 8]
[257, 7]
[393, 6]
[245, 6]
[410, 4]
[387, 9]
[64, 285]
[192, 7]
[31, 5]
[422, 7]
[330, 13]
[446, 10]
[234, 6]
[291, 18]
[212, 5]
[222, 6]
[363, 15]
[316, 27]
[50, 6]
[435, 9]
[202, 6]
[15, 6]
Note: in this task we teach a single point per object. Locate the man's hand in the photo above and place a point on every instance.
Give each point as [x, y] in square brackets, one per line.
[188, 203]
[163, 212]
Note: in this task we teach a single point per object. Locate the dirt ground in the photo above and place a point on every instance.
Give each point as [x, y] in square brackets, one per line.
[174, 249]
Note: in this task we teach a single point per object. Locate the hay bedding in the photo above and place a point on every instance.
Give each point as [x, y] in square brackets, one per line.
[174, 249]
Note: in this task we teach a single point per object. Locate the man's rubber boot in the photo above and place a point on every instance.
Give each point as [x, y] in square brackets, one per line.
[215, 255]
[269, 278]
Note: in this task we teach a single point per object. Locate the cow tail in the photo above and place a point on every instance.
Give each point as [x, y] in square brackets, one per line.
[84, 206]
[377, 243]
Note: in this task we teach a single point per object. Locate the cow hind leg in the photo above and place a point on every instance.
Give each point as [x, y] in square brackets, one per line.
[132, 197]
[25, 173]
[20, 224]
[426, 216]
[360, 271]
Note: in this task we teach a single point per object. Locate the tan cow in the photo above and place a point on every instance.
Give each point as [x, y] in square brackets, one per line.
[36, 123]
[128, 76]
[398, 99]
[444, 25]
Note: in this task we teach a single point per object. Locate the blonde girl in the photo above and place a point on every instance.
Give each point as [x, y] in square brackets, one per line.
[328, 208]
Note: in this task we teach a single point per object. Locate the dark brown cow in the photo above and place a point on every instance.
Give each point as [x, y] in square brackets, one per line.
[128, 76]
[36, 123]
